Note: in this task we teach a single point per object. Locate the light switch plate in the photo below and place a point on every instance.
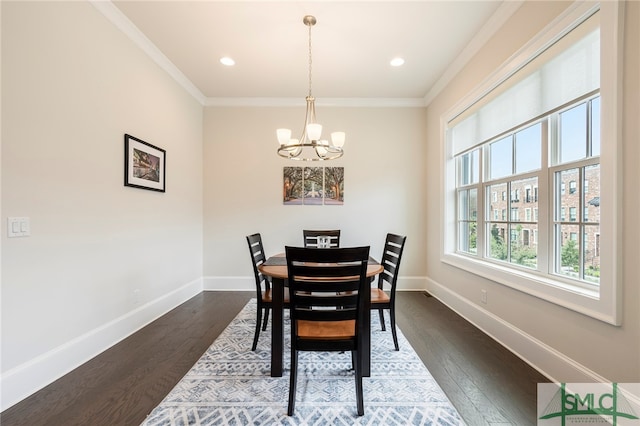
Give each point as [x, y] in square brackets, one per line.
[18, 227]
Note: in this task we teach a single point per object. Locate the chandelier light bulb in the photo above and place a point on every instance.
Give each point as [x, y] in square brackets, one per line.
[284, 136]
[314, 131]
[337, 139]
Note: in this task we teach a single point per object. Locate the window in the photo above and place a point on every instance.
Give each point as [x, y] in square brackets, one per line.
[572, 187]
[579, 258]
[570, 257]
[537, 141]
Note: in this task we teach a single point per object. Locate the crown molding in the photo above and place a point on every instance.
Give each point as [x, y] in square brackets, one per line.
[324, 102]
[495, 22]
[124, 24]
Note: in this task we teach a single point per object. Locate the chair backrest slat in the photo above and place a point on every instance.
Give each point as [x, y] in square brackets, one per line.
[321, 239]
[258, 258]
[391, 256]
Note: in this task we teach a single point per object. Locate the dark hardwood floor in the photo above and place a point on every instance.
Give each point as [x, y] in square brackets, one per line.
[486, 383]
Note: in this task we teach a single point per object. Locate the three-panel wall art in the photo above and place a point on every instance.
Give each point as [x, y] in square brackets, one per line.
[313, 185]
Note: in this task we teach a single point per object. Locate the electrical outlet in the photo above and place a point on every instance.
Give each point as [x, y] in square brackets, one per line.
[483, 296]
[18, 227]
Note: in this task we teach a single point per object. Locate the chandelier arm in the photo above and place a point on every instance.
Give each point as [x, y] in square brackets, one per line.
[309, 117]
[288, 155]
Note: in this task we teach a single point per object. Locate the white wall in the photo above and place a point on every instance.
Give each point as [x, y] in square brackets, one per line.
[564, 344]
[385, 175]
[102, 259]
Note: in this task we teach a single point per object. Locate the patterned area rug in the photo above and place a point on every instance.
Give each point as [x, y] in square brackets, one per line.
[231, 385]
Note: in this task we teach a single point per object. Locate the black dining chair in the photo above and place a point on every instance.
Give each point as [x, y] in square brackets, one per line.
[380, 299]
[321, 239]
[263, 286]
[327, 307]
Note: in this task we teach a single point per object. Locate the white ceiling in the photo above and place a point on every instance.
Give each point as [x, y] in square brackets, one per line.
[353, 43]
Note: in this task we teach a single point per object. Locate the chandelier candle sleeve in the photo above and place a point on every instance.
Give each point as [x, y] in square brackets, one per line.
[309, 147]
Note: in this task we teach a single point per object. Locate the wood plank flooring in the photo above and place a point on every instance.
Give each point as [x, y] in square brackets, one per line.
[486, 383]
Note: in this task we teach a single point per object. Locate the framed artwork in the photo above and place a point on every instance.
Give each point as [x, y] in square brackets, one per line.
[144, 164]
[313, 186]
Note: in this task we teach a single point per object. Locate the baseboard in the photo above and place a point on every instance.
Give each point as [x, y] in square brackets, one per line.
[229, 283]
[547, 360]
[249, 283]
[25, 379]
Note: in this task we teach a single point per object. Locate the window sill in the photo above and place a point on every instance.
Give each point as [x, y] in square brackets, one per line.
[573, 297]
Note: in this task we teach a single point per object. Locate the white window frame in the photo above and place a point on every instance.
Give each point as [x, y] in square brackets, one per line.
[605, 304]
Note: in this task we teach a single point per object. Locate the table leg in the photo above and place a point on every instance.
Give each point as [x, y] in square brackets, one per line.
[365, 353]
[277, 326]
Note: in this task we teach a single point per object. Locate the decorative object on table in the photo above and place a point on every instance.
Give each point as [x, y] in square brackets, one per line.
[321, 239]
[313, 185]
[380, 299]
[231, 385]
[310, 147]
[144, 164]
[263, 286]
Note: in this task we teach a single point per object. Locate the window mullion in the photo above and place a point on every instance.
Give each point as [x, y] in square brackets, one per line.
[545, 204]
[484, 200]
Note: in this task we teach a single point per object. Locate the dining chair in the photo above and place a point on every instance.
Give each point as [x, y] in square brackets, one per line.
[321, 239]
[382, 298]
[263, 286]
[326, 307]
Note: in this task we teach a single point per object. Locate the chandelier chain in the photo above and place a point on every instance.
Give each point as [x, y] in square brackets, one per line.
[310, 60]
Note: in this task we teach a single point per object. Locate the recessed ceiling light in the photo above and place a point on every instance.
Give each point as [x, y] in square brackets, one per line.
[227, 61]
[396, 62]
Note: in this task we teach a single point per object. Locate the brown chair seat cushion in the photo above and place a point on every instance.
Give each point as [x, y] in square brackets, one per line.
[379, 296]
[326, 329]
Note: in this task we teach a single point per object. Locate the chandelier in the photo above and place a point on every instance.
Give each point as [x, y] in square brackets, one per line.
[310, 147]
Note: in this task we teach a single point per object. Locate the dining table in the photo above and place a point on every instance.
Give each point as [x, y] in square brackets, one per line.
[276, 268]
